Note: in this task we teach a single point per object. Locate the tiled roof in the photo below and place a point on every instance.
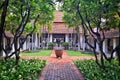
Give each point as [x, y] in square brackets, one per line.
[8, 33]
[112, 34]
[58, 16]
[61, 28]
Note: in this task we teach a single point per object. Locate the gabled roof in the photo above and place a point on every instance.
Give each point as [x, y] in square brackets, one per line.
[58, 16]
[8, 33]
[112, 34]
[61, 29]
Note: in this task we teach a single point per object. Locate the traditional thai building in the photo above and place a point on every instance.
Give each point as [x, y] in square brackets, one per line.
[61, 33]
[110, 42]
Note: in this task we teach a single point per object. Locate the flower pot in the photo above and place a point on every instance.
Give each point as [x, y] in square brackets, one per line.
[58, 51]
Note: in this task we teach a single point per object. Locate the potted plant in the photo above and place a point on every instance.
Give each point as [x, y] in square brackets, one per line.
[50, 45]
[65, 44]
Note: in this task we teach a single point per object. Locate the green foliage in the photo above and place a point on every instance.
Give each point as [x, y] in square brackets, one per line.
[51, 45]
[28, 28]
[17, 9]
[70, 16]
[92, 71]
[65, 44]
[26, 69]
[93, 11]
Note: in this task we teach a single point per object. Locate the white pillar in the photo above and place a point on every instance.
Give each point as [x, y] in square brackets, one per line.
[81, 39]
[83, 43]
[26, 43]
[18, 44]
[29, 43]
[24, 46]
[13, 48]
[51, 37]
[32, 42]
[4, 41]
[105, 47]
[36, 40]
[97, 47]
[66, 38]
[114, 45]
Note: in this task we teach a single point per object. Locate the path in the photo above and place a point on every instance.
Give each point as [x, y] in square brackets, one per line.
[60, 69]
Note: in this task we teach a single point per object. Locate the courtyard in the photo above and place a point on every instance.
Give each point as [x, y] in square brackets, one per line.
[59, 39]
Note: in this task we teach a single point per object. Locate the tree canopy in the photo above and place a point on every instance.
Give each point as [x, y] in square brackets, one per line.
[100, 14]
[20, 17]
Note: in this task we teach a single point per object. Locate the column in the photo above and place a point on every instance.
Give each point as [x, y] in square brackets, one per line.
[36, 40]
[24, 46]
[105, 47]
[114, 45]
[4, 41]
[83, 43]
[51, 37]
[66, 38]
[97, 47]
[32, 42]
[29, 44]
[81, 39]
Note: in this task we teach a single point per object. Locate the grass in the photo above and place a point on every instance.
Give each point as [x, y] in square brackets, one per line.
[79, 53]
[36, 53]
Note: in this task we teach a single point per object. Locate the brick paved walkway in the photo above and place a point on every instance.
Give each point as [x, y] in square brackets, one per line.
[60, 69]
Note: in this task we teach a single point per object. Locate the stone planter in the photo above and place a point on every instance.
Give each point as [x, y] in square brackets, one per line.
[58, 51]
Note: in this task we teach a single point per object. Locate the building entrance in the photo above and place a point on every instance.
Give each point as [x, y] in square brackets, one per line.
[58, 38]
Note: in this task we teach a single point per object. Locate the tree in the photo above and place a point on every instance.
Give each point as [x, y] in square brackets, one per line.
[72, 20]
[21, 14]
[18, 15]
[3, 11]
[46, 19]
[90, 13]
[93, 15]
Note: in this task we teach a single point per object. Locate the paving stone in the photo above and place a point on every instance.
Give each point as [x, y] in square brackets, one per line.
[60, 69]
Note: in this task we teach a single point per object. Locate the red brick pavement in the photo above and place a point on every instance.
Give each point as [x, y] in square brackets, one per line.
[60, 69]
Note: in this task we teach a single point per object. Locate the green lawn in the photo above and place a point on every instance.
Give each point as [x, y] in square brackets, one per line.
[78, 53]
[36, 53]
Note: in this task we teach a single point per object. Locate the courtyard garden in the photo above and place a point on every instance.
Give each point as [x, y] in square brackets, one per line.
[89, 69]
[33, 31]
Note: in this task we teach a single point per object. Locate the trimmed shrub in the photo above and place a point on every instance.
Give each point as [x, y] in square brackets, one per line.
[50, 45]
[65, 44]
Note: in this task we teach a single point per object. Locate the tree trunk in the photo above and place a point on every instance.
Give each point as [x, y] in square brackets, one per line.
[2, 23]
